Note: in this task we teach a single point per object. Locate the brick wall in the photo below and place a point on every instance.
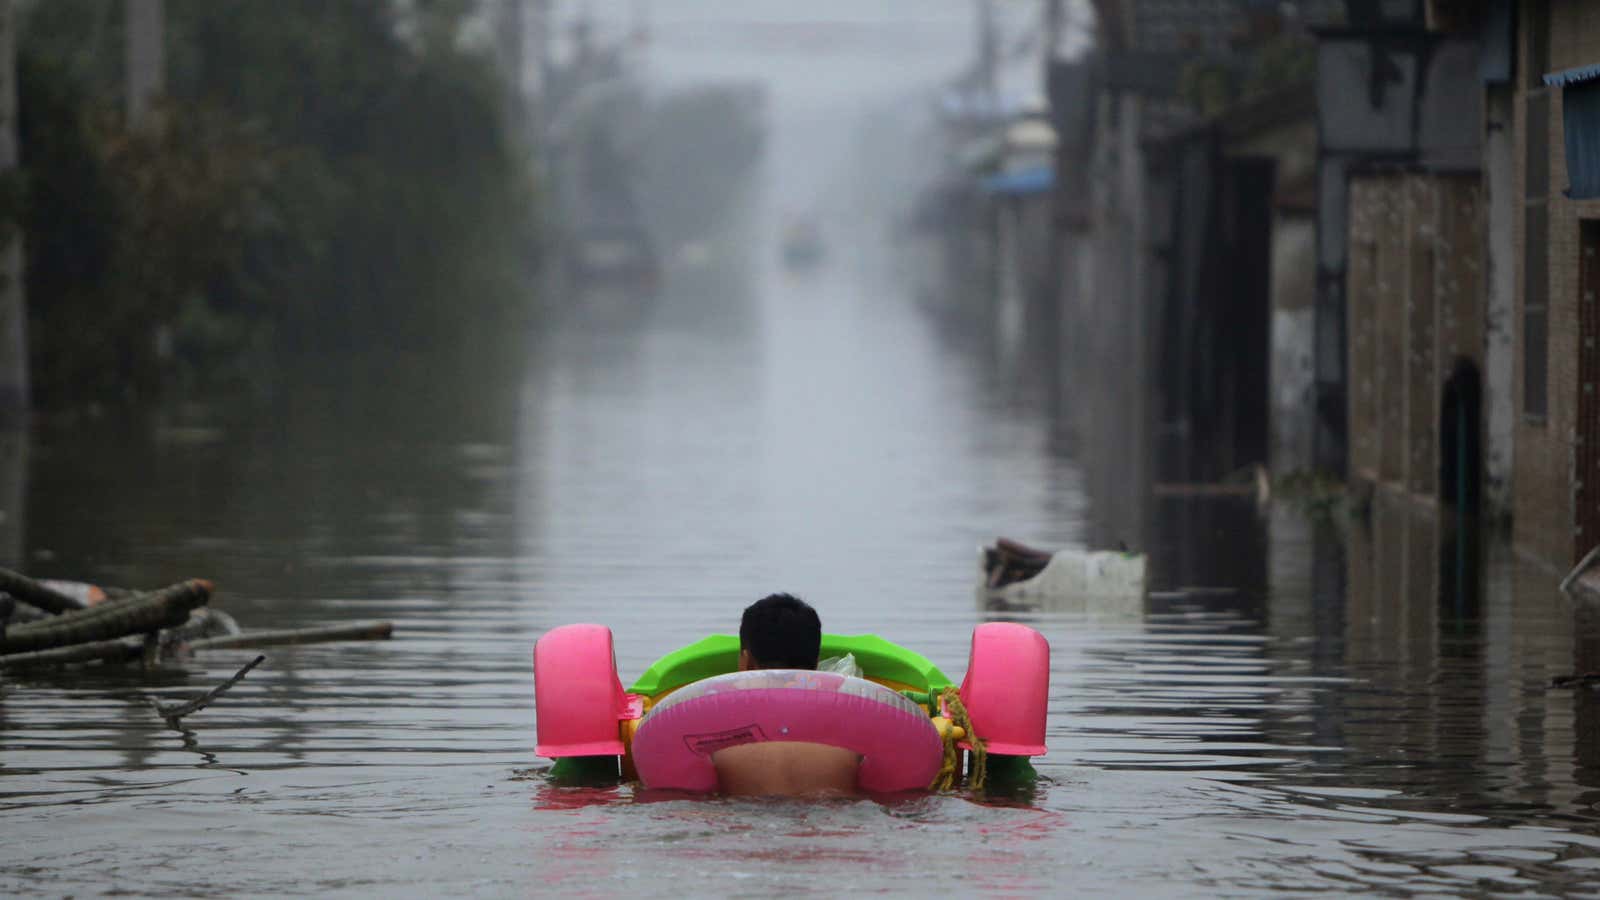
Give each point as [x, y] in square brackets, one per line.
[1542, 481]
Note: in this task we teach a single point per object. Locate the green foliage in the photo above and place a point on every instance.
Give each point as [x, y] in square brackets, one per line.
[1284, 60]
[1209, 86]
[320, 176]
[1315, 494]
[1212, 85]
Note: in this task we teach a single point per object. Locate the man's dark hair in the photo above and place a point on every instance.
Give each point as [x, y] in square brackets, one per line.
[781, 631]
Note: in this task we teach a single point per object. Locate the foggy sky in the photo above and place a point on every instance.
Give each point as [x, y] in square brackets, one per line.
[826, 64]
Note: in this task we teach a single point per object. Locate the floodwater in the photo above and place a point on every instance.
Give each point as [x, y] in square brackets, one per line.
[1314, 713]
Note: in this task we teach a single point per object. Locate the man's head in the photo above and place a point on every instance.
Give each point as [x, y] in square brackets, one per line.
[779, 632]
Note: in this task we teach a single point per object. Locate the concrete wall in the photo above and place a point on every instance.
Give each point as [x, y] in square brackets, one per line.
[1010, 307]
[1105, 383]
[1039, 271]
[1294, 285]
[1027, 292]
[1398, 95]
[1544, 515]
[1415, 291]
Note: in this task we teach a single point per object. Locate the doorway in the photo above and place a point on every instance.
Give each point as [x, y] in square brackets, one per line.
[1461, 440]
[1460, 490]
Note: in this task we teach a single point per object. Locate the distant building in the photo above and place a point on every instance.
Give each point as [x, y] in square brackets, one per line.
[1394, 277]
[1188, 246]
[1019, 192]
[1463, 145]
[1232, 269]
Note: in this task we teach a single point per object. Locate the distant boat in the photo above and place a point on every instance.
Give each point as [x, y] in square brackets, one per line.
[614, 256]
[802, 245]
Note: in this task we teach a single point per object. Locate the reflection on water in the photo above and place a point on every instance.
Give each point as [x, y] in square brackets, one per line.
[1301, 705]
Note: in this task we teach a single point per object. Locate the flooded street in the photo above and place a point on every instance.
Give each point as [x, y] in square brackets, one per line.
[1323, 721]
[1356, 703]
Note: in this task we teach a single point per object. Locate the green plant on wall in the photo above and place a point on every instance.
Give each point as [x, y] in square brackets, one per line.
[1211, 85]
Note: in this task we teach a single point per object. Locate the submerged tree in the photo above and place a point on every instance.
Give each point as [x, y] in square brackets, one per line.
[319, 176]
[13, 318]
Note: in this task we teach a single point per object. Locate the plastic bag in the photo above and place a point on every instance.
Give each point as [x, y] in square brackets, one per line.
[840, 665]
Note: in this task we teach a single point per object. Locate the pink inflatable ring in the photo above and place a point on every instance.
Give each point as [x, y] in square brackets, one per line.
[899, 745]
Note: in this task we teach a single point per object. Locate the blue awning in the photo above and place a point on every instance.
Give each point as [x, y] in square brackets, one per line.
[1580, 113]
[1028, 181]
[1573, 76]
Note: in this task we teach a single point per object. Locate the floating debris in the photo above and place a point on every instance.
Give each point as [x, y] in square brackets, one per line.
[64, 623]
[173, 713]
[1016, 576]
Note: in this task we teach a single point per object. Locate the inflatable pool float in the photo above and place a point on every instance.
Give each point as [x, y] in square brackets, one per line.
[905, 719]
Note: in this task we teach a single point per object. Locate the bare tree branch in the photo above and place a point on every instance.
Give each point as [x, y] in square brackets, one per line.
[359, 631]
[172, 714]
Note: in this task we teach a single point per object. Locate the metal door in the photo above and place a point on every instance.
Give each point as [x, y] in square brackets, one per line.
[1586, 477]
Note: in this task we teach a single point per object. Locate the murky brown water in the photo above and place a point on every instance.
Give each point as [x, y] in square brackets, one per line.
[1317, 718]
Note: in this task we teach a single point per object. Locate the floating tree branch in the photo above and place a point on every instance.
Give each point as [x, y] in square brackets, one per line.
[359, 631]
[35, 593]
[165, 608]
[118, 651]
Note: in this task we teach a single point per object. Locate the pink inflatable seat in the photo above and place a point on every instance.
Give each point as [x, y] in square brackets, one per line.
[1007, 687]
[577, 695]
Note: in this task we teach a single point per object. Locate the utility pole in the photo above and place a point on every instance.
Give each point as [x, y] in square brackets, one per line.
[536, 45]
[988, 48]
[146, 73]
[1052, 34]
[13, 311]
[513, 37]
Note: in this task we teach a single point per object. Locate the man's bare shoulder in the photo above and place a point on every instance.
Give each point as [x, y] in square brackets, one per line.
[786, 768]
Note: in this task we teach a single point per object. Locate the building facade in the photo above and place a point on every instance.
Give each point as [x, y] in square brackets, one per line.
[1557, 427]
[1415, 301]
[1422, 261]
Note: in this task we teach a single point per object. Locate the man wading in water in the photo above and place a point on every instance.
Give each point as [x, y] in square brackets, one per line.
[783, 632]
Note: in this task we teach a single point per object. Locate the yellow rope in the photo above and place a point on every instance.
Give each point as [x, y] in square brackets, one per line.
[946, 779]
[950, 771]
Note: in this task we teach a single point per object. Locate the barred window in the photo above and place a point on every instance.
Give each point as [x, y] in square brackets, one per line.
[1535, 312]
[1536, 165]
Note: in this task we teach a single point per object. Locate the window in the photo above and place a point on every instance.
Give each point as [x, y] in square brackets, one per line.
[1536, 178]
[1580, 119]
